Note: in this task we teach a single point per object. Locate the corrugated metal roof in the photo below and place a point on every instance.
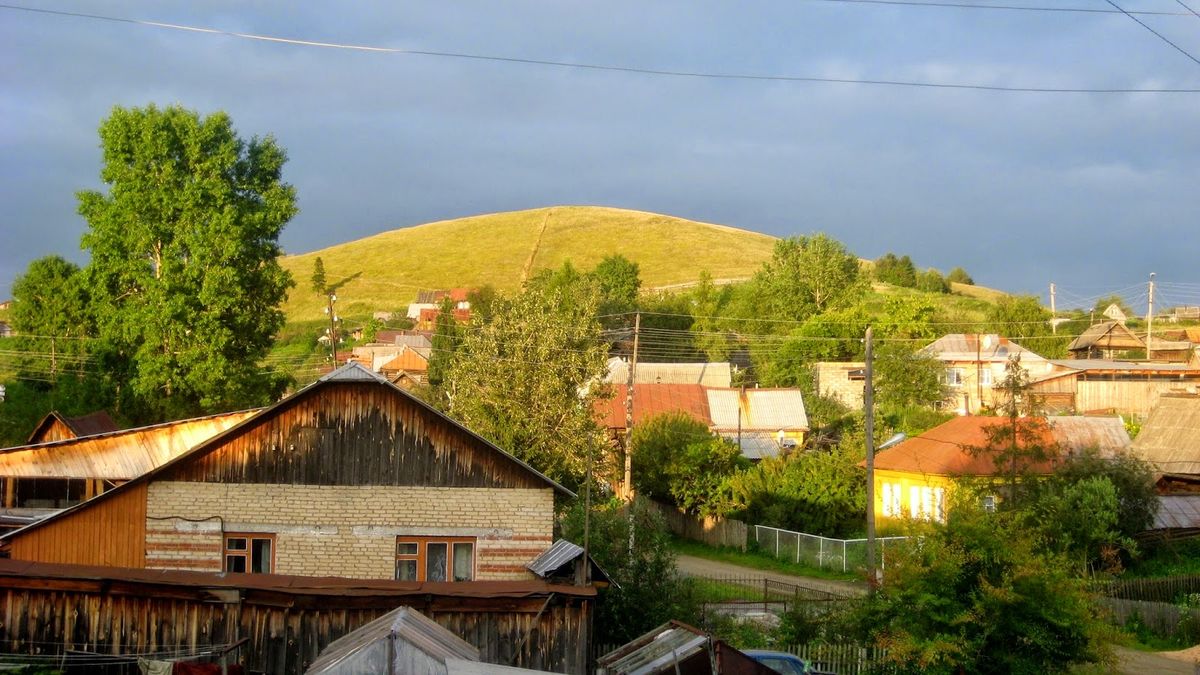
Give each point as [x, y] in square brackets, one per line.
[757, 409]
[707, 374]
[412, 630]
[560, 553]
[1123, 366]
[464, 667]
[653, 399]
[118, 455]
[988, 347]
[1106, 434]
[1177, 512]
[1170, 437]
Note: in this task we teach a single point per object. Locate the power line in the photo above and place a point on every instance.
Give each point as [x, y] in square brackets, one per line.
[1020, 8]
[660, 72]
[1162, 37]
[1185, 6]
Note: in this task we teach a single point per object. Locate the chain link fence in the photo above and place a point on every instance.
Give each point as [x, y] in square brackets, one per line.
[822, 552]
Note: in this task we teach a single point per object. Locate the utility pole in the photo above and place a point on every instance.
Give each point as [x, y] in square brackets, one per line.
[1150, 317]
[869, 427]
[1053, 312]
[637, 328]
[333, 338]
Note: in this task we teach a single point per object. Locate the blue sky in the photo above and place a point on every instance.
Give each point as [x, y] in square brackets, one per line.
[1092, 191]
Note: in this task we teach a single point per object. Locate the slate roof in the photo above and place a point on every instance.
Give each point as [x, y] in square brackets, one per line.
[1177, 512]
[757, 409]
[1170, 436]
[707, 374]
[970, 346]
[1106, 335]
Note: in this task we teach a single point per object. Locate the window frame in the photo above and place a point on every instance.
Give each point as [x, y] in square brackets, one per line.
[954, 377]
[421, 557]
[247, 553]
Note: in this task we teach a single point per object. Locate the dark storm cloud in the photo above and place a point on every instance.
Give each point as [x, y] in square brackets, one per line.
[1087, 190]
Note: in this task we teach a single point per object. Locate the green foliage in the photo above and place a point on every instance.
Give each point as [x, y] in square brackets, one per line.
[1023, 319]
[184, 276]
[815, 492]
[959, 276]
[1079, 520]
[906, 377]
[655, 441]
[320, 284]
[483, 300]
[649, 590]
[978, 596]
[526, 380]
[1104, 302]
[697, 474]
[51, 299]
[447, 335]
[28, 400]
[619, 284]
[807, 276]
[667, 325]
[931, 281]
[1131, 477]
[896, 271]
[711, 336]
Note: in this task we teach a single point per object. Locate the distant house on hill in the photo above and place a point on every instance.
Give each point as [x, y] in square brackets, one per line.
[429, 303]
[706, 374]
[975, 365]
[6, 330]
[1107, 340]
[913, 478]
[1115, 313]
[409, 368]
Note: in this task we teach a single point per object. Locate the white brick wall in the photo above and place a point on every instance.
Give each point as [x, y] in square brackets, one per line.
[347, 531]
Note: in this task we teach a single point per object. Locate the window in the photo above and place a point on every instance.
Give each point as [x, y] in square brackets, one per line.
[954, 377]
[254, 553]
[985, 377]
[989, 503]
[435, 558]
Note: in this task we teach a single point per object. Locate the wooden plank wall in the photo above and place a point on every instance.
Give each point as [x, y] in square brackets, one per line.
[111, 532]
[284, 637]
[356, 434]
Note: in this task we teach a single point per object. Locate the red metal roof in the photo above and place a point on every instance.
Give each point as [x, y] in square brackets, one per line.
[653, 399]
[944, 450]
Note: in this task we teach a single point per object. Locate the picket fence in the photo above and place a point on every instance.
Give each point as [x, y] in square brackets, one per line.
[711, 531]
[841, 659]
[817, 551]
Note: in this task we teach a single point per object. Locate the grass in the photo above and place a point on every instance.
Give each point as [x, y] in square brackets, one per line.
[756, 560]
[1166, 559]
[385, 271]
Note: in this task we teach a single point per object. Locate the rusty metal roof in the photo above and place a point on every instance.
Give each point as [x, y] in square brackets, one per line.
[116, 455]
[653, 399]
[757, 409]
[11, 570]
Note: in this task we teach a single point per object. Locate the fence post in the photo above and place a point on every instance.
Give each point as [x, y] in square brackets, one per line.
[776, 544]
[797, 550]
[821, 553]
[764, 595]
[844, 564]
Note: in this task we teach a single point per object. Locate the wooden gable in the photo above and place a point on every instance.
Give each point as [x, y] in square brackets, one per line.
[354, 433]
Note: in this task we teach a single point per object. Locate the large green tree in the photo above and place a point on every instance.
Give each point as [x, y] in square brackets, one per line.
[184, 275]
[51, 316]
[807, 276]
[528, 379]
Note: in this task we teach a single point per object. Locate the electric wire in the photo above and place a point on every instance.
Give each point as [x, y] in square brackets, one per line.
[660, 72]
[1160, 36]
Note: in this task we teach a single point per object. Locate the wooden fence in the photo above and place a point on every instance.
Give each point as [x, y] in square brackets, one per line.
[1161, 618]
[1166, 589]
[709, 530]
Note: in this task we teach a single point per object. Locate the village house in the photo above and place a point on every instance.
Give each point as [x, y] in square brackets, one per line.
[350, 483]
[707, 374]
[1170, 441]
[913, 479]
[762, 422]
[842, 381]
[975, 366]
[1097, 386]
[1106, 340]
[55, 426]
[425, 310]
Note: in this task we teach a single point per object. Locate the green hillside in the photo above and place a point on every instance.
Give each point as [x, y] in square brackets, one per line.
[385, 271]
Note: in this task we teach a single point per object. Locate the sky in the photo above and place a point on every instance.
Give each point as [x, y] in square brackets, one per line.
[1092, 191]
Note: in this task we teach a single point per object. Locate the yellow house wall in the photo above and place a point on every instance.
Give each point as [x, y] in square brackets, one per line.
[906, 482]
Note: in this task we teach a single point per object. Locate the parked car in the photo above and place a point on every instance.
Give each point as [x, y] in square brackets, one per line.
[782, 662]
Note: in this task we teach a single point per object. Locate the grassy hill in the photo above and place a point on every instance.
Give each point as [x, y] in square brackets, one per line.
[385, 271]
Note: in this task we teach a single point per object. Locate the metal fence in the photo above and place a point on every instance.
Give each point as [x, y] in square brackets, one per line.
[822, 552]
[842, 659]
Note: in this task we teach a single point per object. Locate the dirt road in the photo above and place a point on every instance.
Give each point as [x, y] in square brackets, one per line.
[701, 567]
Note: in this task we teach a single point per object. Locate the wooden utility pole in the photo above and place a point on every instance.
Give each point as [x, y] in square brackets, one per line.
[333, 338]
[1150, 317]
[869, 427]
[637, 328]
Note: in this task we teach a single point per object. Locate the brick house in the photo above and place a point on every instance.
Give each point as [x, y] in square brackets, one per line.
[349, 477]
